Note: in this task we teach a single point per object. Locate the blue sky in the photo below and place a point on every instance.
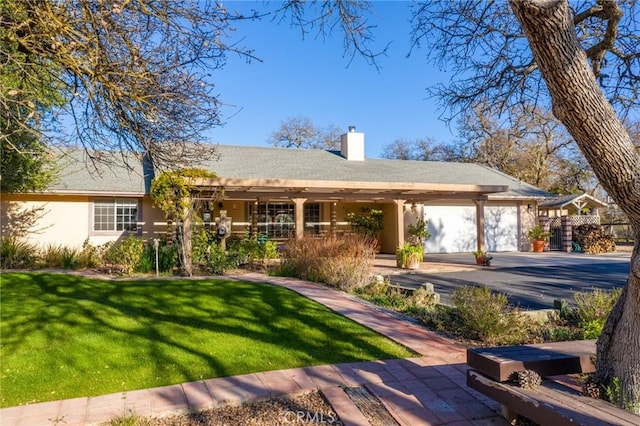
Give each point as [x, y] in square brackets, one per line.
[312, 78]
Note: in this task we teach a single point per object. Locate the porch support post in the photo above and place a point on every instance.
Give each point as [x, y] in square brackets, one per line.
[399, 221]
[186, 238]
[299, 202]
[334, 220]
[480, 225]
[254, 220]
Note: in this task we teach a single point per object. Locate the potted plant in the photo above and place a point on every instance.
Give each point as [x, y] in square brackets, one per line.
[482, 258]
[419, 232]
[409, 256]
[538, 238]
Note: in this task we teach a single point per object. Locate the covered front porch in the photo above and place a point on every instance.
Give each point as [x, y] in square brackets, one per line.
[285, 208]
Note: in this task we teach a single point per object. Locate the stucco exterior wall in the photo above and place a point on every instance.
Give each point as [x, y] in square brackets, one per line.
[60, 220]
[67, 220]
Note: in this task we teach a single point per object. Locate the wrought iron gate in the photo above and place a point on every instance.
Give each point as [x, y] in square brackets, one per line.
[555, 228]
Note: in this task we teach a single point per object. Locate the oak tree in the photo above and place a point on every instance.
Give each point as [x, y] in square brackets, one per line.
[125, 75]
[301, 132]
[584, 60]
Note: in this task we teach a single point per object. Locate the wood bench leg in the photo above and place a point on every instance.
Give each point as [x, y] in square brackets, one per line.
[510, 415]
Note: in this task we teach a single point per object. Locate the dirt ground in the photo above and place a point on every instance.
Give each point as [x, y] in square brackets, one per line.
[306, 409]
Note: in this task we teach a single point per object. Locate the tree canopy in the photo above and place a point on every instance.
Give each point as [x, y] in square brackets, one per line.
[488, 58]
[301, 132]
[114, 76]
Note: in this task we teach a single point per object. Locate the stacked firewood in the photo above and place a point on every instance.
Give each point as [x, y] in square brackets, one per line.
[593, 239]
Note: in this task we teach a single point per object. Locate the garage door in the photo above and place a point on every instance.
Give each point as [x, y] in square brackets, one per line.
[453, 228]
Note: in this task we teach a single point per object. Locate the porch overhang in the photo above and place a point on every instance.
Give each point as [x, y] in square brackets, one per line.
[250, 189]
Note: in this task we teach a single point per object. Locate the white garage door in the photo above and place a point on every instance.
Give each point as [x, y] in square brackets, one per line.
[453, 228]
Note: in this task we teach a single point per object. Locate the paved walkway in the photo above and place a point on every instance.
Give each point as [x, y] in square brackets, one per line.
[428, 389]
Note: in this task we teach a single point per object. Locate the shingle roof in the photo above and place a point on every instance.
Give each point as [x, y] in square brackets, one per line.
[283, 163]
[79, 175]
[566, 200]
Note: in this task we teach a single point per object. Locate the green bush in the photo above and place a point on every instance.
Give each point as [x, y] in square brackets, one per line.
[219, 261]
[593, 308]
[127, 254]
[595, 305]
[369, 222]
[270, 250]
[167, 257]
[147, 260]
[15, 253]
[249, 250]
[345, 263]
[70, 258]
[245, 250]
[487, 316]
[201, 242]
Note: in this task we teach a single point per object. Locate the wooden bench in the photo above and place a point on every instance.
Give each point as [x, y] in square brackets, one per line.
[557, 401]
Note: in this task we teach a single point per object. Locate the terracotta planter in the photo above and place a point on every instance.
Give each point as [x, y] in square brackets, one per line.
[538, 246]
[483, 260]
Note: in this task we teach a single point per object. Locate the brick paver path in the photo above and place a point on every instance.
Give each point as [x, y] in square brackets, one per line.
[428, 389]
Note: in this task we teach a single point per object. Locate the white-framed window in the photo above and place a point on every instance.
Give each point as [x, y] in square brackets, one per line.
[277, 219]
[115, 215]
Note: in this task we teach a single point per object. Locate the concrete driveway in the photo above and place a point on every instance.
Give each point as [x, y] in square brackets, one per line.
[530, 280]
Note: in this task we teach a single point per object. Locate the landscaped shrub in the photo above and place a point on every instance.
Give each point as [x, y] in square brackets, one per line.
[91, 256]
[167, 257]
[382, 294]
[15, 253]
[345, 262]
[593, 308]
[201, 242]
[147, 262]
[487, 316]
[58, 256]
[247, 251]
[126, 254]
[51, 256]
[70, 258]
[219, 261]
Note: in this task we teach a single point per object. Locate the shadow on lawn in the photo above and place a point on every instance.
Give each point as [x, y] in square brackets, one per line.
[166, 325]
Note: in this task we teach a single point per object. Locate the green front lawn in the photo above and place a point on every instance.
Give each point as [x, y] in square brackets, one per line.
[66, 336]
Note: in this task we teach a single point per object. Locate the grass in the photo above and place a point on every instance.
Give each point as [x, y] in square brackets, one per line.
[65, 336]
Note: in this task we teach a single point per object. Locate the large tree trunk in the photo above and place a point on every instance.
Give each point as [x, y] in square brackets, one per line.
[580, 104]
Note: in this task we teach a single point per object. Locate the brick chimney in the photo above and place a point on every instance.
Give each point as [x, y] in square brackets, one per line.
[352, 145]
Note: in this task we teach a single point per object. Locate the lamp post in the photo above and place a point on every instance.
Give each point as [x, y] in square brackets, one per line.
[156, 245]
